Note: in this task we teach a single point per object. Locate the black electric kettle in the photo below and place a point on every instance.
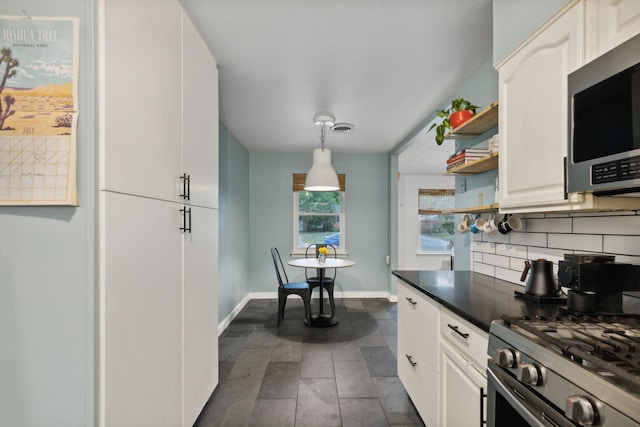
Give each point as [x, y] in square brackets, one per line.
[541, 281]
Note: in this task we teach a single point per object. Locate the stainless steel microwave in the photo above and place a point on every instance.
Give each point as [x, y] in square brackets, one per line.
[604, 123]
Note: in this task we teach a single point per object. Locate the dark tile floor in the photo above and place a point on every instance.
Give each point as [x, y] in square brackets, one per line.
[343, 375]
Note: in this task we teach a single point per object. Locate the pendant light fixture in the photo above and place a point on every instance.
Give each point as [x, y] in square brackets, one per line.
[322, 176]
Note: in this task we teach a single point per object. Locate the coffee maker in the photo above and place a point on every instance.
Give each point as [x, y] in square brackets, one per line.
[596, 282]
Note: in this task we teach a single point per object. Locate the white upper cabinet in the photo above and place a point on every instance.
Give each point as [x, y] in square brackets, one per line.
[609, 24]
[533, 114]
[142, 97]
[161, 104]
[533, 117]
[199, 118]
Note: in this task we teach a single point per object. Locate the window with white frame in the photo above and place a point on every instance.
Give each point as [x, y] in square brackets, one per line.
[436, 222]
[318, 216]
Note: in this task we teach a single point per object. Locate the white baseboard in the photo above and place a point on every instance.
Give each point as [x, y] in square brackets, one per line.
[274, 295]
[223, 325]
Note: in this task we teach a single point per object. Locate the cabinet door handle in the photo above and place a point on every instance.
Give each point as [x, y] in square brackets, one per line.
[186, 219]
[482, 396]
[455, 329]
[186, 187]
[410, 359]
[411, 301]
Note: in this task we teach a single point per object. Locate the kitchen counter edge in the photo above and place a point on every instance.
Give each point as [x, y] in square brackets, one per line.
[475, 297]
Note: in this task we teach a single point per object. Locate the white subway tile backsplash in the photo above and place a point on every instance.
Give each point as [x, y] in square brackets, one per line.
[497, 260]
[554, 255]
[528, 239]
[495, 237]
[551, 236]
[584, 242]
[512, 251]
[516, 263]
[549, 225]
[509, 275]
[624, 225]
[483, 246]
[481, 268]
[629, 245]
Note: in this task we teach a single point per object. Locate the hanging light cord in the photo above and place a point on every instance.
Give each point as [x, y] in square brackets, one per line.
[322, 136]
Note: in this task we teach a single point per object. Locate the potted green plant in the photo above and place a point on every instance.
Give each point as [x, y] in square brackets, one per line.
[459, 112]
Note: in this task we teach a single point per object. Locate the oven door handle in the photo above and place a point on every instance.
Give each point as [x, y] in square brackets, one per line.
[523, 401]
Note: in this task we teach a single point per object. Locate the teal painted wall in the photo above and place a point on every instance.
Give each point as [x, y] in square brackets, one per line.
[234, 206]
[367, 223]
[513, 21]
[48, 273]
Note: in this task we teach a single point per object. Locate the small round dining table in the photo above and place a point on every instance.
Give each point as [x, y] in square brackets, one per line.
[321, 319]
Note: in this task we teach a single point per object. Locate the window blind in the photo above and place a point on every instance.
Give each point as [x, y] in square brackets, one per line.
[432, 201]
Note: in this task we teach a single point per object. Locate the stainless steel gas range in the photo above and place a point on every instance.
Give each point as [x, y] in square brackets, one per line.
[564, 370]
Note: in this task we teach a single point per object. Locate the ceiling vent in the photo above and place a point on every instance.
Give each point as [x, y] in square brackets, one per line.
[342, 127]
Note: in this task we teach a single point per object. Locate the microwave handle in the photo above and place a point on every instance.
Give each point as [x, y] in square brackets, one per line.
[566, 194]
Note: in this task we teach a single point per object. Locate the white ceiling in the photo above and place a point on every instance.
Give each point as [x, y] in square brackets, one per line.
[384, 66]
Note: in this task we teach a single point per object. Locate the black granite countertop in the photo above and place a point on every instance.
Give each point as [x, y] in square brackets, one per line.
[475, 297]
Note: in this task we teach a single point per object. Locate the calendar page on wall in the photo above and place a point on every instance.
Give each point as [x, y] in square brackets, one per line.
[38, 110]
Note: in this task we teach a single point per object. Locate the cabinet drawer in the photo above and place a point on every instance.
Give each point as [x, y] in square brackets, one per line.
[469, 339]
[418, 318]
[420, 379]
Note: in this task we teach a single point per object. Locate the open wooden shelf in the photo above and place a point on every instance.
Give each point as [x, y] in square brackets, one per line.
[477, 209]
[478, 124]
[483, 164]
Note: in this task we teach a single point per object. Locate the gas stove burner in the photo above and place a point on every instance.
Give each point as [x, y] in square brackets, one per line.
[609, 345]
[591, 358]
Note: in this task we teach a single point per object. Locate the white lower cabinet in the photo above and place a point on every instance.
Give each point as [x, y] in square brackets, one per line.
[463, 375]
[463, 390]
[419, 351]
[159, 312]
[200, 311]
[442, 361]
[420, 379]
[141, 357]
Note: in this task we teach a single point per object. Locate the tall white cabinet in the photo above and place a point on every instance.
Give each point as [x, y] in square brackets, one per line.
[158, 216]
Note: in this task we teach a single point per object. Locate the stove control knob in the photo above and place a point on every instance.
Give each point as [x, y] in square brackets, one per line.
[581, 410]
[530, 374]
[506, 358]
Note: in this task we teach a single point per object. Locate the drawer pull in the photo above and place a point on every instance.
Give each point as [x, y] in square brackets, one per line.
[410, 359]
[411, 301]
[455, 329]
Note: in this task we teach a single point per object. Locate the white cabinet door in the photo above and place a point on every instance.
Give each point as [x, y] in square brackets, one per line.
[200, 305]
[420, 319]
[141, 97]
[419, 350]
[533, 115]
[610, 23]
[463, 390]
[419, 378]
[141, 315]
[200, 118]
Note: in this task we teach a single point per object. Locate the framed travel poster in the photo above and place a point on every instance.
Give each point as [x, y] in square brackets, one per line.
[38, 110]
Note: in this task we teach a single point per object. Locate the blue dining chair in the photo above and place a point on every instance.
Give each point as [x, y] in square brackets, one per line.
[286, 288]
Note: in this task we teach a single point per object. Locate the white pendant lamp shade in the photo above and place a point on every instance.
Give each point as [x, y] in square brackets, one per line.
[322, 176]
